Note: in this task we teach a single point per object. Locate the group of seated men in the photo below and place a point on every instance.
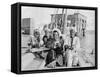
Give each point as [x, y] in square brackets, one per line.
[62, 51]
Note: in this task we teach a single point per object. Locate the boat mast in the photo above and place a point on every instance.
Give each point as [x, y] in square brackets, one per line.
[65, 21]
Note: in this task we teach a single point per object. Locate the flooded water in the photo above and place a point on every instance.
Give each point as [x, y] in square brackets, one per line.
[88, 42]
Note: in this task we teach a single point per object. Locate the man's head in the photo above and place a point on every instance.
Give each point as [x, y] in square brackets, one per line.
[47, 32]
[55, 34]
[36, 33]
[45, 38]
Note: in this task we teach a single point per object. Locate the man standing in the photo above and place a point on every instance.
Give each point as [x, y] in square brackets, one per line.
[73, 47]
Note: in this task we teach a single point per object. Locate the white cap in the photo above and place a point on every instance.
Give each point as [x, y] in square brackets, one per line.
[55, 29]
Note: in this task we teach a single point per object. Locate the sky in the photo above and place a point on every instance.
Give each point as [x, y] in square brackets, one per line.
[41, 16]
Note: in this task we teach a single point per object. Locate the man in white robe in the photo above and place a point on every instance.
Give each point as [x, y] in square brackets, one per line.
[73, 44]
